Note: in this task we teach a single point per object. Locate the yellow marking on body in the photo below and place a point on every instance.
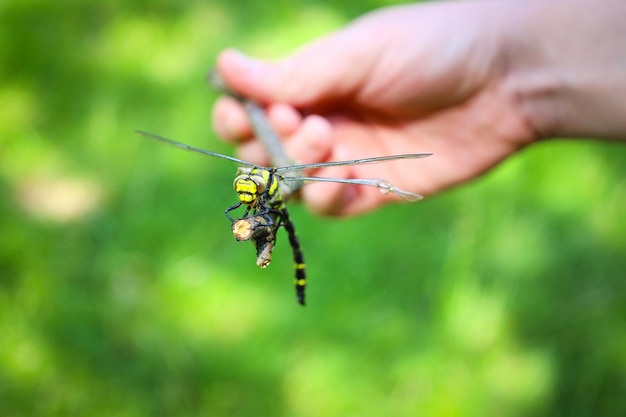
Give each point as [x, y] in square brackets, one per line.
[301, 282]
[299, 266]
[246, 198]
[273, 186]
[246, 186]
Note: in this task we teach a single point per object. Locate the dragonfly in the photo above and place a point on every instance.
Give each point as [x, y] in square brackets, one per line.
[263, 192]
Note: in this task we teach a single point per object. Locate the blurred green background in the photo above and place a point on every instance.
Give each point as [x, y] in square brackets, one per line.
[122, 291]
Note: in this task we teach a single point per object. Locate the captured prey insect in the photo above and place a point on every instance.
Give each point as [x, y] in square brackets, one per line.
[263, 191]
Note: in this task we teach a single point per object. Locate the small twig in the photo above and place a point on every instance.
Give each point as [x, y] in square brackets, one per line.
[262, 232]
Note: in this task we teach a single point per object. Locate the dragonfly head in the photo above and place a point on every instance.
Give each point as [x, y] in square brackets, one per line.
[250, 185]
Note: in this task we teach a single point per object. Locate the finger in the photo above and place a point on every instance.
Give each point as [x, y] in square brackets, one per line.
[311, 142]
[230, 120]
[316, 73]
[361, 199]
[344, 199]
[284, 119]
[329, 198]
[326, 198]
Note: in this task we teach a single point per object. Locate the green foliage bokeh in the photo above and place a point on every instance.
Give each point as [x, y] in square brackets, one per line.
[122, 291]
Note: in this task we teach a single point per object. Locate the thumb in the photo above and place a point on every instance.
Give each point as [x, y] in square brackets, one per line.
[320, 72]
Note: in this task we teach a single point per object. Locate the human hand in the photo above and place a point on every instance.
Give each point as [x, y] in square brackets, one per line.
[410, 79]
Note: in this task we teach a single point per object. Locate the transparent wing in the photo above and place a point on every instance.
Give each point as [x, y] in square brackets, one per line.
[384, 186]
[194, 149]
[296, 181]
[364, 161]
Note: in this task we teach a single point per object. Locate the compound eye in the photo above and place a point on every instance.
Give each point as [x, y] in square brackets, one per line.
[239, 178]
[260, 182]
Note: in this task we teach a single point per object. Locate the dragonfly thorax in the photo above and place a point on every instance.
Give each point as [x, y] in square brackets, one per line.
[253, 183]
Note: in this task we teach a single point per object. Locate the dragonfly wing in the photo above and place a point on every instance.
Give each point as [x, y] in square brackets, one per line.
[383, 185]
[194, 149]
[363, 161]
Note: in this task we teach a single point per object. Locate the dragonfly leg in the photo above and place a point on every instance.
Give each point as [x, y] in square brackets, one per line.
[265, 213]
[231, 208]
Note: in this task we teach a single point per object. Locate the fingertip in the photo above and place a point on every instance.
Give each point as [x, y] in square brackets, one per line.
[233, 63]
[318, 133]
[303, 78]
[240, 72]
[284, 118]
[312, 142]
[230, 120]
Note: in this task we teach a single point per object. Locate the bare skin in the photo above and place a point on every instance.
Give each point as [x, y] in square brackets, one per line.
[473, 82]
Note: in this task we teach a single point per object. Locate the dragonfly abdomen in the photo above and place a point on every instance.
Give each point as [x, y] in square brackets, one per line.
[298, 256]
